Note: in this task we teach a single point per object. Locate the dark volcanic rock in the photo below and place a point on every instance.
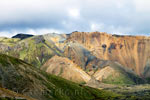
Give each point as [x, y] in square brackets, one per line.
[22, 36]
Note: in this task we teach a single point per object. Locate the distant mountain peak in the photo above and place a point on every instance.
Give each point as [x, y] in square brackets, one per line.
[22, 36]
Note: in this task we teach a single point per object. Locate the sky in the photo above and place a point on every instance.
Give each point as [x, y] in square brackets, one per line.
[128, 17]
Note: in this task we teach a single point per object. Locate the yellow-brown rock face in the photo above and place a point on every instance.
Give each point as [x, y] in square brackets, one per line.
[130, 51]
[65, 68]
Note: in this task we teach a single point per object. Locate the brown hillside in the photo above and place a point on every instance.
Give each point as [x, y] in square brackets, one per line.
[65, 68]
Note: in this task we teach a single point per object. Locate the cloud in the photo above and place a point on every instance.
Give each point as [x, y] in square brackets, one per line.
[97, 27]
[6, 34]
[74, 13]
[44, 16]
[142, 6]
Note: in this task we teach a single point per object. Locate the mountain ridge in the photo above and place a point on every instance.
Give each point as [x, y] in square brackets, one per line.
[22, 36]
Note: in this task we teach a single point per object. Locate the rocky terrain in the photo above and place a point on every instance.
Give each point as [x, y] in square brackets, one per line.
[130, 51]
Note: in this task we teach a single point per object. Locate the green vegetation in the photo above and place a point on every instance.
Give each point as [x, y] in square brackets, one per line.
[20, 76]
[67, 90]
[34, 50]
[120, 79]
[105, 95]
[9, 41]
[122, 76]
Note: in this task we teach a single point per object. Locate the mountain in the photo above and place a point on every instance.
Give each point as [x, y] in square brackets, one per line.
[35, 50]
[130, 51]
[102, 70]
[22, 36]
[21, 77]
[90, 57]
[65, 68]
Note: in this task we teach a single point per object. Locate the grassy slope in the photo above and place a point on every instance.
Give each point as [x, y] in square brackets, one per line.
[49, 86]
[124, 76]
[9, 41]
[35, 50]
[36, 53]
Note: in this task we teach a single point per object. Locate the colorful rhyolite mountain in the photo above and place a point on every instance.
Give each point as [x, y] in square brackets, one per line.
[130, 51]
[89, 51]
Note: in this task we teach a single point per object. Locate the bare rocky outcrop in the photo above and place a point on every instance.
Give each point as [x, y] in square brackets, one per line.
[130, 51]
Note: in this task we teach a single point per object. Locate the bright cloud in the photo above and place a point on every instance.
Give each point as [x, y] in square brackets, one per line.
[74, 13]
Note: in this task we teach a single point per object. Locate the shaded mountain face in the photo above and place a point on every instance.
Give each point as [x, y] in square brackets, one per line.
[130, 51]
[81, 56]
[21, 77]
[22, 36]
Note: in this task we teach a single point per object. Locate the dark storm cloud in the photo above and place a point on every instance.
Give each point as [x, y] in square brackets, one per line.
[44, 16]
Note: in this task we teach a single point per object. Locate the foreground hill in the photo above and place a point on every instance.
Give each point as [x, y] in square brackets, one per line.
[16, 75]
[6, 94]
